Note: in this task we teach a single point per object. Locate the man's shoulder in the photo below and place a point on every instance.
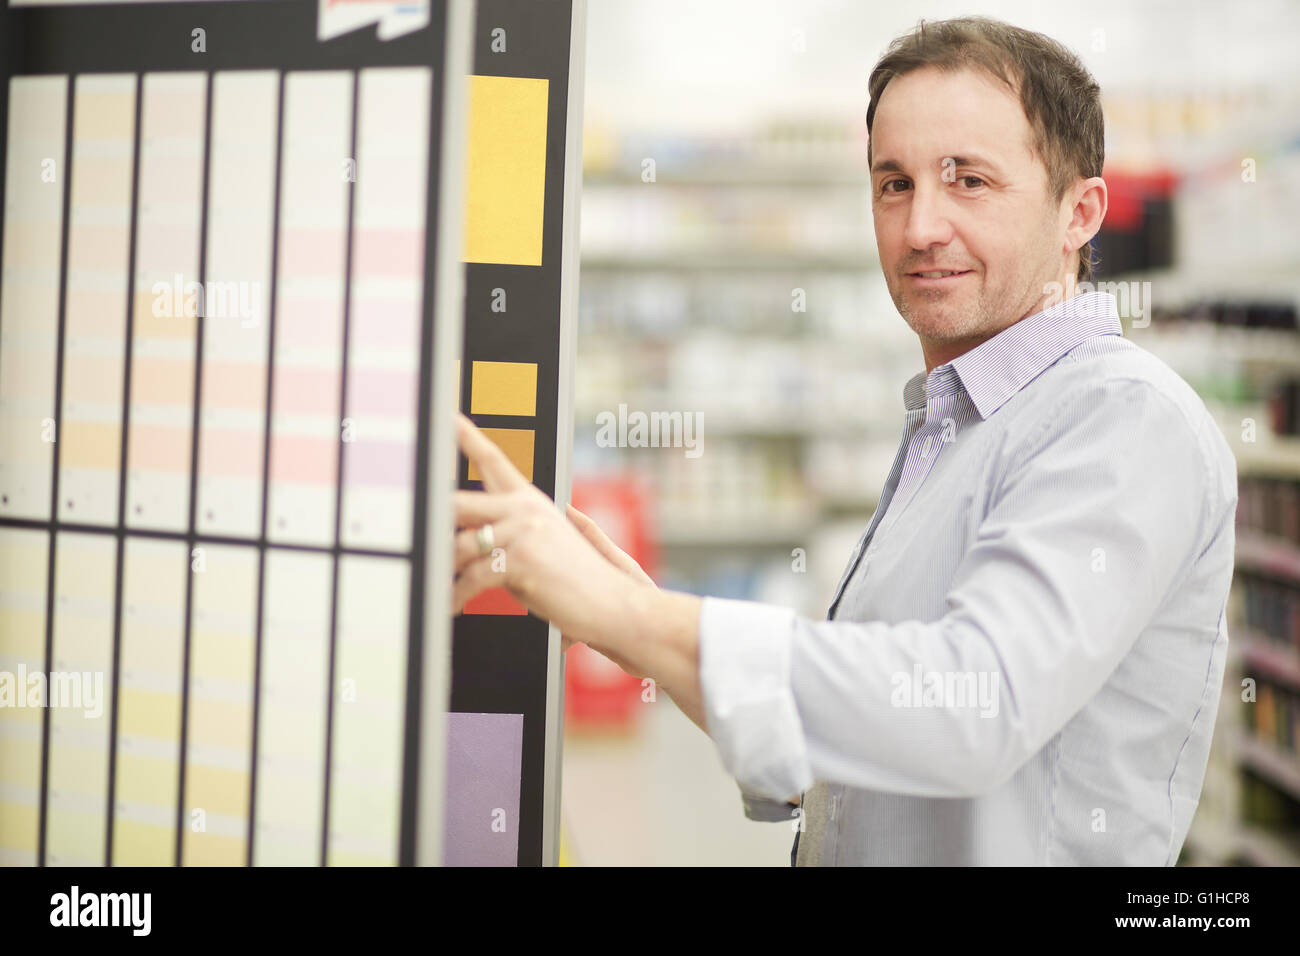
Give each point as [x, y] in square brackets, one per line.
[1106, 377]
[1110, 371]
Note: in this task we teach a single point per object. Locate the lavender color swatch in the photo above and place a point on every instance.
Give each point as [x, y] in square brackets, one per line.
[484, 766]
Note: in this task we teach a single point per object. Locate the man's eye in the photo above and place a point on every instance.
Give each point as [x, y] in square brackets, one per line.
[977, 180]
[892, 182]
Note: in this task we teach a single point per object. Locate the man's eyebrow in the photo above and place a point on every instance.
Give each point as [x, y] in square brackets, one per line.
[971, 159]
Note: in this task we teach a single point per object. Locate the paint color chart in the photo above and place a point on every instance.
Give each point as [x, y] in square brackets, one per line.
[242, 291]
[217, 358]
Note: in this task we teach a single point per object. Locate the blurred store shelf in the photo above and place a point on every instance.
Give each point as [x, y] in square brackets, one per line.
[776, 529]
[734, 260]
[1278, 766]
[1250, 804]
[1260, 653]
[737, 281]
[1242, 844]
[1269, 555]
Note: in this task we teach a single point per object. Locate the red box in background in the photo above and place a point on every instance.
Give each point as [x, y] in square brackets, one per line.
[597, 694]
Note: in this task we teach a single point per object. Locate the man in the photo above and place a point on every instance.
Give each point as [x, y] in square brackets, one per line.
[1023, 660]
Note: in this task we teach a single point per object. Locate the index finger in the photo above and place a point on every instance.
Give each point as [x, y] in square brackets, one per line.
[476, 508]
[499, 472]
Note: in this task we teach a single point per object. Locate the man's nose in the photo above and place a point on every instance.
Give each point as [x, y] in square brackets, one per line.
[927, 219]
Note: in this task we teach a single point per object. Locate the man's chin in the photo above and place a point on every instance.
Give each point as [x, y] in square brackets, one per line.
[938, 323]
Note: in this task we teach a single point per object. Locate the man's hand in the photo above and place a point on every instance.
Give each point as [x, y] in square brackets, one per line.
[567, 571]
[612, 552]
[625, 562]
[617, 557]
[576, 579]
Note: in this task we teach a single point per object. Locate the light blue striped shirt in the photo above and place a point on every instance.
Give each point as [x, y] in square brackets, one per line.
[1023, 660]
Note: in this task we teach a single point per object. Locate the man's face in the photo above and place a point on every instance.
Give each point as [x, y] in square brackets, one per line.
[956, 187]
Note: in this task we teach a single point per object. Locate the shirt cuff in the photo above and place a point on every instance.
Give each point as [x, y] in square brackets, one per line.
[768, 811]
[749, 704]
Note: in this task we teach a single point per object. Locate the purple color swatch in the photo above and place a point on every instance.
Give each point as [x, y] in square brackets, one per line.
[484, 766]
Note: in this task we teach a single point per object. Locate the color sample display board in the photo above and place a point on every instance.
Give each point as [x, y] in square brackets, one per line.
[523, 170]
[230, 320]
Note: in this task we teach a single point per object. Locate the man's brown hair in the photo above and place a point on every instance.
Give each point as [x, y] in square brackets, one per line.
[1060, 98]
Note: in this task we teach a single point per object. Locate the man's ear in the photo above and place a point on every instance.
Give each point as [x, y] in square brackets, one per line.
[1087, 210]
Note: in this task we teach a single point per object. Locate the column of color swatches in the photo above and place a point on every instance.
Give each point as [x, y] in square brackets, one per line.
[23, 558]
[99, 240]
[219, 734]
[506, 388]
[169, 207]
[387, 281]
[505, 200]
[149, 684]
[29, 295]
[306, 409]
[366, 765]
[241, 209]
[77, 802]
[291, 739]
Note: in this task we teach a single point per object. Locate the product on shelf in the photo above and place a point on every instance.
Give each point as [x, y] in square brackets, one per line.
[1284, 407]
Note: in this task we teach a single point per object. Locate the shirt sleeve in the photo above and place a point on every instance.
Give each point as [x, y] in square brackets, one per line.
[1091, 522]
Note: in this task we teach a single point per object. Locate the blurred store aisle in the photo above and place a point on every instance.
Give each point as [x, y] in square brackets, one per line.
[659, 797]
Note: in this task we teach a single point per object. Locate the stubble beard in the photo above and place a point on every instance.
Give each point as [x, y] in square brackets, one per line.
[940, 318]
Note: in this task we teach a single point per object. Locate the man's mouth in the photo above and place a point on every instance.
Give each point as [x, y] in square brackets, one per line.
[938, 274]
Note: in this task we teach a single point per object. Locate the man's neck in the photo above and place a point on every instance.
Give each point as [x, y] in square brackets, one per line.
[937, 353]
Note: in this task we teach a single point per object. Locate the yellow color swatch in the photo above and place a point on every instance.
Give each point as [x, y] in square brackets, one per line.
[517, 443]
[142, 844]
[149, 713]
[18, 826]
[503, 388]
[23, 560]
[506, 170]
[213, 849]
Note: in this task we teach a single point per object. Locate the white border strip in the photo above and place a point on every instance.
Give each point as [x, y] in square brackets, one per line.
[569, 262]
[448, 322]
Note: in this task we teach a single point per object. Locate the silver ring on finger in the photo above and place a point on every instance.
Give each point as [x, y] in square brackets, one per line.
[486, 541]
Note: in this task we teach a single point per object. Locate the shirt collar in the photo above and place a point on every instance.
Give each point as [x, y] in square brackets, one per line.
[999, 367]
